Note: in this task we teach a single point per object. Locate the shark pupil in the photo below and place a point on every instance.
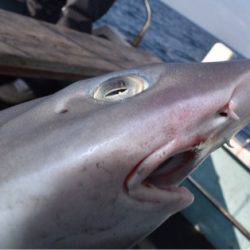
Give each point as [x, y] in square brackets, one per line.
[116, 91]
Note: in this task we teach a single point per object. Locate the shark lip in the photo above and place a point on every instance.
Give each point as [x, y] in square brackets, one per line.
[162, 171]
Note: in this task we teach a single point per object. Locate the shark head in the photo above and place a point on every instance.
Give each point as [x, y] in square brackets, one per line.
[105, 157]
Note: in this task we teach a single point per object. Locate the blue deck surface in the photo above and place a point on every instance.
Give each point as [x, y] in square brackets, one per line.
[174, 38]
[229, 183]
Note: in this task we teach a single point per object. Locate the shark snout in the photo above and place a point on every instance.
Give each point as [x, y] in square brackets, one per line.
[205, 105]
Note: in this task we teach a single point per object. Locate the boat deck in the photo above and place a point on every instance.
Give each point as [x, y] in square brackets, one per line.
[228, 182]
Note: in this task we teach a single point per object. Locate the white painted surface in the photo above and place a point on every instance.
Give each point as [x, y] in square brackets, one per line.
[219, 53]
[228, 20]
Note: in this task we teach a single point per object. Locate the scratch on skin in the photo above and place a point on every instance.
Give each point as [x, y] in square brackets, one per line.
[99, 166]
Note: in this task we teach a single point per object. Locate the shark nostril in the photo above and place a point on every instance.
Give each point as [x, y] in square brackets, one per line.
[120, 88]
[229, 111]
[224, 114]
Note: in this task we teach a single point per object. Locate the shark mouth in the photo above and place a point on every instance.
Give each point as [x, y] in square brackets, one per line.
[173, 170]
[163, 170]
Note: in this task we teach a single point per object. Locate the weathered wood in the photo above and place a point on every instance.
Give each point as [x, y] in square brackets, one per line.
[37, 49]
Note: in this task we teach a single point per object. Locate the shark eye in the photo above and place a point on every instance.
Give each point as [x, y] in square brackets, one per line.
[120, 88]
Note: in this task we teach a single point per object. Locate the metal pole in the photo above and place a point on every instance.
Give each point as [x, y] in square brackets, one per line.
[140, 35]
[221, 209]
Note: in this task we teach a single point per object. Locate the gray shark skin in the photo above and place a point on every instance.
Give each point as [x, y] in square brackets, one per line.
[78, 171]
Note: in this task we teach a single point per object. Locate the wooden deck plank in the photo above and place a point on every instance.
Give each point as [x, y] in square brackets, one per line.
[33, 48]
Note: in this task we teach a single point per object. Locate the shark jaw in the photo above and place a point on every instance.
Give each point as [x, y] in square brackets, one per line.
[158, 176]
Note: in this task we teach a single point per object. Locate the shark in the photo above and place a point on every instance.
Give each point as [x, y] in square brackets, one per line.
[100, 163]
